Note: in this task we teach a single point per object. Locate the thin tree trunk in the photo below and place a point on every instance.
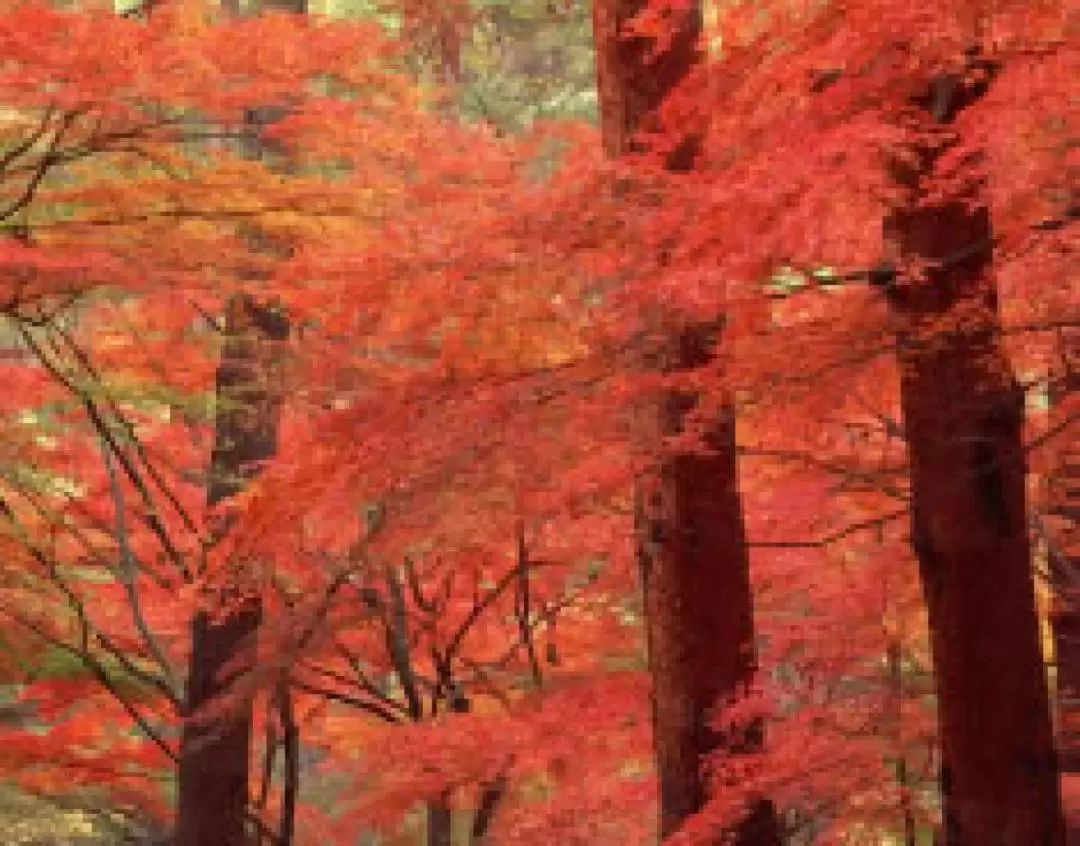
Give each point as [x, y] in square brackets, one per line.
[440, 816]
[214, 756]
[896, 692]
[1063, 553]
[440, 830]
[214, 768]
[445, 35]
[692, 548]
[963, 411]
[492, 794]
[290, 788]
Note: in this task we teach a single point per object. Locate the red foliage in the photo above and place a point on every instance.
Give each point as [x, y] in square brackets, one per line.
[469, 359]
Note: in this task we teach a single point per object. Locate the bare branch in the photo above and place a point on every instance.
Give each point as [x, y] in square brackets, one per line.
[129, 576]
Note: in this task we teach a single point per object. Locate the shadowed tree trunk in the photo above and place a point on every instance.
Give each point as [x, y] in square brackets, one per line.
[692, 549]
[963, 411]
[214, 756]
[214, 769]
[1064, 563]
[492, 794]
[445, 37]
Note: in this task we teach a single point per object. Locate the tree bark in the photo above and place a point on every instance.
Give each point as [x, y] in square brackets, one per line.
[443, 32]
[1063, 555]
[214, 768]
[440, 831]
[214, 756]
[493, 793]
[963, 411]
[692, 548]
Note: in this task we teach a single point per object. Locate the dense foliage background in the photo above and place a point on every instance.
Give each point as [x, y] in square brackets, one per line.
[447, 421]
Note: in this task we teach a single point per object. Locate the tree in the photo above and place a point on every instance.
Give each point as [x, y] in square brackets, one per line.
[214, 769]
[214, 765]
[692, 545]
[152, 142]
[923, 165]
[1062, 554]
[963, 412]
[485, 347]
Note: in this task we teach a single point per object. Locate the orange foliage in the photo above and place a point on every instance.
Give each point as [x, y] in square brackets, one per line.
[468, 358]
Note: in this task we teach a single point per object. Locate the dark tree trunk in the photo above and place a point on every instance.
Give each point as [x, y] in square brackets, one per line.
[692, 548]
[492, 794]
[440, 822]
[963, 411]
[440, 816]
[214, 755]
[443, 36]
[698, 612]
[1063, 555]
[214, 769]
[290, 788]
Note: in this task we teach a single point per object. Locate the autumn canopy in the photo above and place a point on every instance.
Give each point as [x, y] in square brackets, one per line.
[541, 423]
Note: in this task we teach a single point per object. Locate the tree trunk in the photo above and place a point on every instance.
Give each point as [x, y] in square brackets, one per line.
[440, 824]
[692, 548]
[214, 756]
[963, 411]
[443, 33]
[1063, 555]
[214, 768]
[493, 793]
[699, 619]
